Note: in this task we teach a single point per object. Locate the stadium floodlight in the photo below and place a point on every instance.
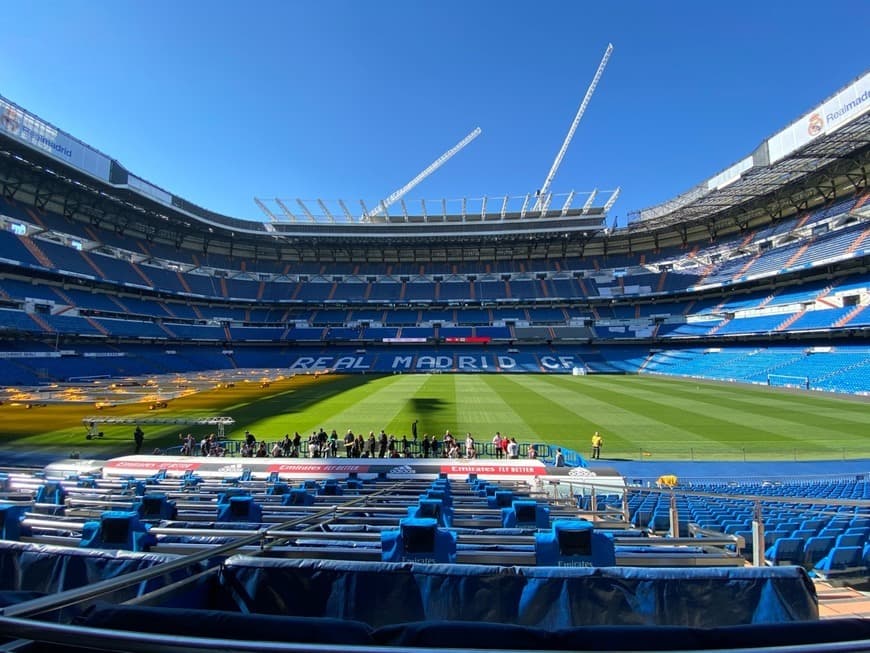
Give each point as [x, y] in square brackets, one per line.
[504, 204]
[545, 188]
[612, 200]
[265, 209]
[437, 163]
[305, 210]
[290, 215]
[325, 210]
[444, 209]
[567, 204]
[588, 204]
[463, 208]
[347, 213]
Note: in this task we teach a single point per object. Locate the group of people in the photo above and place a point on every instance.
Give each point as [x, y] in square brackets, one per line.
[321, 444]
[506, 447]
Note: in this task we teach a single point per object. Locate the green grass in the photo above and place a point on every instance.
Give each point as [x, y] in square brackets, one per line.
[638, 416]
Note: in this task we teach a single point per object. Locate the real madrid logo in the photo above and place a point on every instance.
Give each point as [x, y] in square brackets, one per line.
[10, 119]
[816, 125]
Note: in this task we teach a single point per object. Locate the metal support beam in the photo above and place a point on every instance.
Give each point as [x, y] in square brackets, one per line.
[483, 208]
[305, 210]
[567, 204]
[525, 205]
[437, 163]
[265, 209]
[545, 188]
[612, 200]
[347, 213]
[504, 204]
[545, 206]
[325, 210]
[290, 215]
[588, 204]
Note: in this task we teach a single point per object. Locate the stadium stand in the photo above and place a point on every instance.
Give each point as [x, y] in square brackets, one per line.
[761, 280]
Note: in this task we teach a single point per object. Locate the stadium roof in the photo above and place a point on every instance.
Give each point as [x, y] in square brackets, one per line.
[821, 155]
[816, 164]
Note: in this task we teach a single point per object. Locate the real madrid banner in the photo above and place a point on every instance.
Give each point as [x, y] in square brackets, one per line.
[27, 128]
[845, 106]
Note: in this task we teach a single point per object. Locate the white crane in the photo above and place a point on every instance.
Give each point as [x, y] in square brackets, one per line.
[543, 194]
[437, 163]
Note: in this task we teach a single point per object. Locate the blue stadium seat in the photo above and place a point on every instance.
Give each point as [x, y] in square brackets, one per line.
[240, 509]
[11, 515]
[855, 539]
[841, 560]
[418, 540]
[526, 514]
[786, 551]
[117, 530]
[816, 548]
[574, 543]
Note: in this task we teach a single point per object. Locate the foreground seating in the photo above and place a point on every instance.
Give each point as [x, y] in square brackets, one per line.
[465, 635]
[541, 597]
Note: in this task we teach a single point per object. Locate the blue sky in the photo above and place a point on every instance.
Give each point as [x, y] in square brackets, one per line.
[219, 102]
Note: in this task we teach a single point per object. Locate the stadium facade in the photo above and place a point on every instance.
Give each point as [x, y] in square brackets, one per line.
[758, 274]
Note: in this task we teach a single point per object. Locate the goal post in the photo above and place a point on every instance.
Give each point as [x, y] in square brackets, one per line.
[787, 381]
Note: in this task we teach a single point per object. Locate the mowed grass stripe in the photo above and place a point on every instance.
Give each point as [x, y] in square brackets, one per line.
[627, 429]
[558, 418]
[727, 425]
[804, 418]
[704, 418]
[487, 408]
[369, 406]
[427, 398]
[835, 412]
[788, 435]
[669, 417]
[435, 405]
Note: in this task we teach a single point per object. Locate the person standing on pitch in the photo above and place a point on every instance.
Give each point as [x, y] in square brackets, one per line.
[414, 430]
[597, 441]
[138, 438]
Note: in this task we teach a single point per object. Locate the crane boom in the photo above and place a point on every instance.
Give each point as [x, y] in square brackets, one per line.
[437, 163]
[545, 188]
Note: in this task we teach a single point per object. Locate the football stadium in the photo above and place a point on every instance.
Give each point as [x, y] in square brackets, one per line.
[501, 423]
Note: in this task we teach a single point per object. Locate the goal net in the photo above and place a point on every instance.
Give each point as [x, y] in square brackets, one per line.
[786, 381]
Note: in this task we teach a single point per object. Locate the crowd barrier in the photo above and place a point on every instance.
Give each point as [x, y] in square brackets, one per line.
[543, 597]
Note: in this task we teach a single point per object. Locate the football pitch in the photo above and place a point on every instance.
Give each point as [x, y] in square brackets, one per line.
[640, 417]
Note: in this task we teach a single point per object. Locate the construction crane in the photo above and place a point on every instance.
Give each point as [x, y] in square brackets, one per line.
[543, 195]
[384, 204]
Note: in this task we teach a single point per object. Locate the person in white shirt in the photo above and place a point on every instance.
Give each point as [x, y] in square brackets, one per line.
[470, 450]
[496, 444]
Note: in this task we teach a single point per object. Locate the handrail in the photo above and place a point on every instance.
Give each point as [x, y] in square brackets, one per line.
[74, 596]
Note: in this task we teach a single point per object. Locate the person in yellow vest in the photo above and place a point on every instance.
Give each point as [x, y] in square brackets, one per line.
[597, 441]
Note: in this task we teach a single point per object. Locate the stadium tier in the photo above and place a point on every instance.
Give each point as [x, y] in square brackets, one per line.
[115, 292]
[79, 284]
